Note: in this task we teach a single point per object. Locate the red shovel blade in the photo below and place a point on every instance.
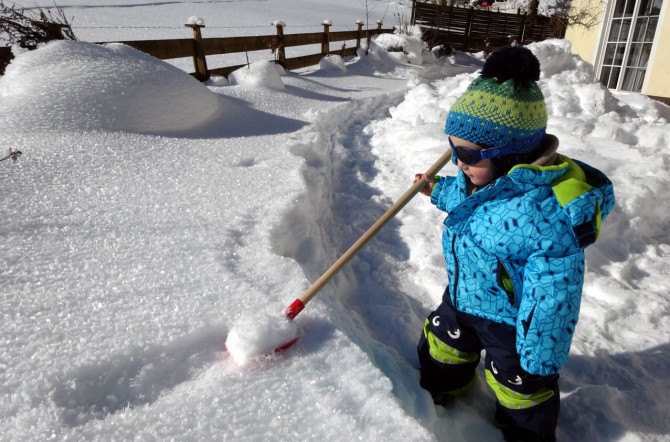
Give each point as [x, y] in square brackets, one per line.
[269, 334]
[287, 345]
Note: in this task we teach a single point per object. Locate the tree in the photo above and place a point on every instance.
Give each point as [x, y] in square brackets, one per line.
[585, 13]
[28, 28]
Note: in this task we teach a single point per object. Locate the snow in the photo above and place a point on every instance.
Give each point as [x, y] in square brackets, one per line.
[126, 90]
[259, 74]
[195, 20]
[152, 219]
[271, 333]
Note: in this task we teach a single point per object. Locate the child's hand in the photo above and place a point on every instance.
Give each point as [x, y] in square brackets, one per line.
[430, 181]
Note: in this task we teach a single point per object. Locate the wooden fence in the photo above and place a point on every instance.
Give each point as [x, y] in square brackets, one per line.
[469, 29]
[199, 48]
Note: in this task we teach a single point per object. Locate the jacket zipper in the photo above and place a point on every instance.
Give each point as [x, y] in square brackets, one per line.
[511, 296]
[456, 270]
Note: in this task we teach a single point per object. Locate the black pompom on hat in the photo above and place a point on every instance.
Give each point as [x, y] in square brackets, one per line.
[512, 63]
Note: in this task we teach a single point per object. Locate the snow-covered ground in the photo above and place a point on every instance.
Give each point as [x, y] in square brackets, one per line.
[149, 213]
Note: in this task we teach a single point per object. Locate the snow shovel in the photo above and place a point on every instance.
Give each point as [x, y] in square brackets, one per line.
[273, 334]
[299, 304]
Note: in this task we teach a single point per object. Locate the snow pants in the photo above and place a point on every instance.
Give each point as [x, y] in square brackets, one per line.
[450, 348]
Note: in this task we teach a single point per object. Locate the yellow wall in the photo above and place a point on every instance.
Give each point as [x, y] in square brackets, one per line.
[585, 44]
[585, 41]
[658, 79]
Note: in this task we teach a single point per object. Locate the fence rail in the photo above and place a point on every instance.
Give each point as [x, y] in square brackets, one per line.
[199, 48]
[469, 29]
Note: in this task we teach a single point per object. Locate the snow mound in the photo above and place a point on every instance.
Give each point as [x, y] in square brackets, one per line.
[569, 84]
[262, 73]
[73, 85]
[258, 335]
[406, 46]
[333, 64]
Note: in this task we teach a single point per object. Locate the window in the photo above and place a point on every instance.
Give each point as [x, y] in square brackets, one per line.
[630, 37]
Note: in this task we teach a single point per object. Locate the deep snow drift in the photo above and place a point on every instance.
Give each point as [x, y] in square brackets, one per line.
[112, 87]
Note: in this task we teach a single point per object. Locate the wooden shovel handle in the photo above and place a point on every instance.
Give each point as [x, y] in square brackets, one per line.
[392, 211]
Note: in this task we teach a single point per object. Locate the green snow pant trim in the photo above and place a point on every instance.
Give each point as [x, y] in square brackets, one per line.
[444, 353]
[514, 400]
[445, 371]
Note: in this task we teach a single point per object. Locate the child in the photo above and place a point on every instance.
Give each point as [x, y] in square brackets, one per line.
[519, 218]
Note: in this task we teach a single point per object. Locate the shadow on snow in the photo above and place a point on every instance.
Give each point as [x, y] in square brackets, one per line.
[135, 377]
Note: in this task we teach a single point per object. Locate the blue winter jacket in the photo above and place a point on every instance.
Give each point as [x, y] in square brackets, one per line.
[515, 251]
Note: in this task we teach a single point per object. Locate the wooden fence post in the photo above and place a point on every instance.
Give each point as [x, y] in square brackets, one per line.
[468, 29]
[325, 44]
[379, 31]
[522, 28]
[359, 23]
[199, 60]
[6, 57]
[281, 52]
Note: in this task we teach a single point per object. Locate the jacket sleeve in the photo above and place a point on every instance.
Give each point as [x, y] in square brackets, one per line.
[440, 193]
[549, 309]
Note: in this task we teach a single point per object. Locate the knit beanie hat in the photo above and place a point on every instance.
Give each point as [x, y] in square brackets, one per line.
[503, 106]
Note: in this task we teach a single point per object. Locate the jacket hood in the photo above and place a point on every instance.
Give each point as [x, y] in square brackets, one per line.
[585, 193]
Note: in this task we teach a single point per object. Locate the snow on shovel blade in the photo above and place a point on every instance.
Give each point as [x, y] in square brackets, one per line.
[260, 335]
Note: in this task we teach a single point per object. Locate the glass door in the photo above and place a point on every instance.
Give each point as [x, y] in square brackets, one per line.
[630, 36]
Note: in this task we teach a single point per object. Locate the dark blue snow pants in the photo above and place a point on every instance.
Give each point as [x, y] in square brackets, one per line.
[449, 353]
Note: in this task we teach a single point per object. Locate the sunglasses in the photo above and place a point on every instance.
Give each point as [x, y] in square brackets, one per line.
[473, 156]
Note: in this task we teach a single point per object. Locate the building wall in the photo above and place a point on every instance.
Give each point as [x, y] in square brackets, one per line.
[657, 82]
[585, 41]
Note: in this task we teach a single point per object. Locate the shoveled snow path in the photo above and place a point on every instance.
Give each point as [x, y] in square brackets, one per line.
[376, 288]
